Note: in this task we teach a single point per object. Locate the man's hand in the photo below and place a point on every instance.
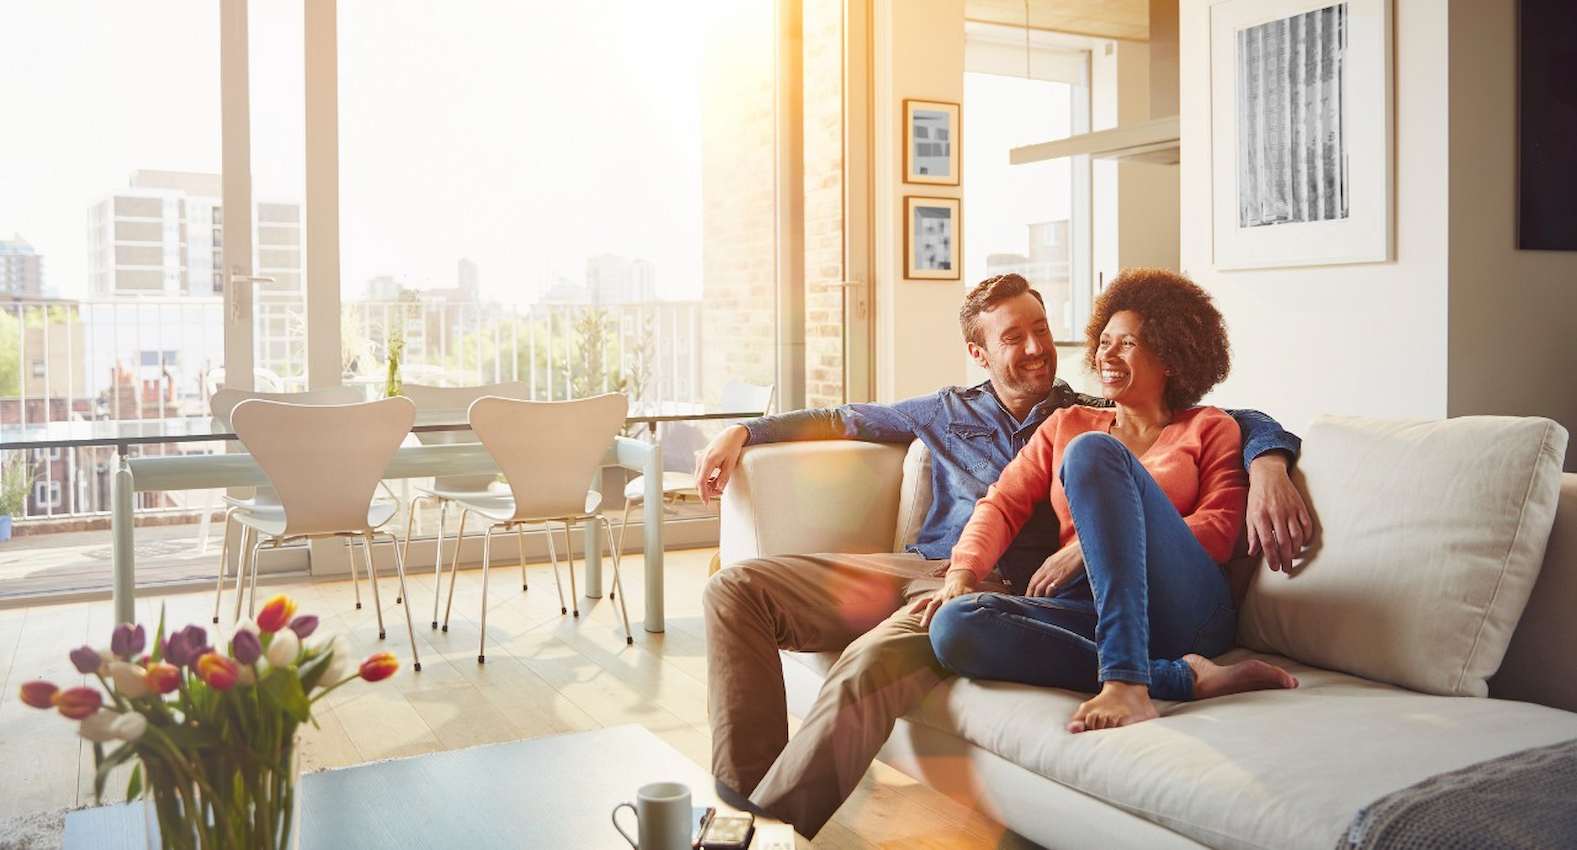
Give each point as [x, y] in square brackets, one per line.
[957, 583]
[1060, 568]
[715, 463]
[1278, 521]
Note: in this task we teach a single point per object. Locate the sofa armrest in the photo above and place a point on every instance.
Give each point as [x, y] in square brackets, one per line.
[821, 496]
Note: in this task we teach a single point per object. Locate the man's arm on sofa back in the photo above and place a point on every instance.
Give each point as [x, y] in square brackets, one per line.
[801, 498]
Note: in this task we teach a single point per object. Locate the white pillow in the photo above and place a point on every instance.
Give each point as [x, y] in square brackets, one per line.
[914, 499]
[1431, 535]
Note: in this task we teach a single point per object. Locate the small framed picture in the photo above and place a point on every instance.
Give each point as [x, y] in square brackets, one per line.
[931, 236]
[930, 136]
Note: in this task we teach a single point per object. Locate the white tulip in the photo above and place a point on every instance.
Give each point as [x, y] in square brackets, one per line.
[98, 727]
[130, 680]
[129, 726]
[284, 648]
[245, 676]
[246, 624]
[105, 656]
[339, 662]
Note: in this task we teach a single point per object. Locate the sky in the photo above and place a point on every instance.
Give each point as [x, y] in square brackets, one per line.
[526, 137]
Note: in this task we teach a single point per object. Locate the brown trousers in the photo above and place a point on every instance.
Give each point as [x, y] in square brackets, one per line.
[814, 603]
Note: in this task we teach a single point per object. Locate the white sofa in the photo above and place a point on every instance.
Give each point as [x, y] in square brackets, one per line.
[1284, 769]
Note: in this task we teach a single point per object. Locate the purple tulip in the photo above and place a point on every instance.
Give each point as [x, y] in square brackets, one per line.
[128, 640]
[245, 647]
[186, 646]
[304, 625]
[86, 659]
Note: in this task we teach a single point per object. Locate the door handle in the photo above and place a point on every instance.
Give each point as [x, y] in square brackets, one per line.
[858, 287]
[242, 294]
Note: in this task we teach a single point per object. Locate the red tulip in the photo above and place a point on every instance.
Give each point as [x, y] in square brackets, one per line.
[379, 667]
[276, 613]
[39, 694]
[163, 678]
[77, 703]
[218, 671]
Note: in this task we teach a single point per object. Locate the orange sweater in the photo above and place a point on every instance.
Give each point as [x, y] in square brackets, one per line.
[1197, 461]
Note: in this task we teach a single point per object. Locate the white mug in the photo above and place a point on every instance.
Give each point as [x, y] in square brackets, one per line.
[662, 817]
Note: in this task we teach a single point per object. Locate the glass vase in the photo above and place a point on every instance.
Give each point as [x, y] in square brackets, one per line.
[216, 800]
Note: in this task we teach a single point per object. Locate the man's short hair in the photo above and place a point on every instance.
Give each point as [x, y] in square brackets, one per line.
[987, 294]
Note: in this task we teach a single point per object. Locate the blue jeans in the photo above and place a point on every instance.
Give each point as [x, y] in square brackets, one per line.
[1152, 594]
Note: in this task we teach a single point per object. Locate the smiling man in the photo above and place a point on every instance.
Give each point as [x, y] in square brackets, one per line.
[866, 606]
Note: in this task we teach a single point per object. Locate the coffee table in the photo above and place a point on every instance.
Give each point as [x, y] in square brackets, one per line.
[544, 792]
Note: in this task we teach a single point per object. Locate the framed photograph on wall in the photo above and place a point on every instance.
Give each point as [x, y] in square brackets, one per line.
[930, 142]
[931, 238]
[1301, 132]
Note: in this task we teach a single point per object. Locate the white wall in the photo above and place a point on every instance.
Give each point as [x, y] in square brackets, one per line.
[1512, 343]
[1367, 339]
[919, 54]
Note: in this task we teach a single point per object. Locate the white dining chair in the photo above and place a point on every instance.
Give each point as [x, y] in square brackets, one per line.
[681, 485]
[549, 452]
[447, 488]
[325, 463]
[220, 406]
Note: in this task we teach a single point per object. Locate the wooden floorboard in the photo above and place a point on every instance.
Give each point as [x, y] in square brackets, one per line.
[545, 674]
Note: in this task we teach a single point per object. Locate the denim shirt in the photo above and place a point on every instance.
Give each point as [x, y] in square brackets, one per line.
[972, 436]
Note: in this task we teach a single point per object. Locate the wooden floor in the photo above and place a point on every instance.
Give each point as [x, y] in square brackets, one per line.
[545, 674]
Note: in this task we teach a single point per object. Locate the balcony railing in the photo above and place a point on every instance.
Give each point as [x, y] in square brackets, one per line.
[153, 358]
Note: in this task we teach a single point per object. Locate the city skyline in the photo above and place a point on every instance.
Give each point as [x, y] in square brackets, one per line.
[475, 180]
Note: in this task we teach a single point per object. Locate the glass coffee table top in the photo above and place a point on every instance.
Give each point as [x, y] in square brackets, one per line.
[554, 791]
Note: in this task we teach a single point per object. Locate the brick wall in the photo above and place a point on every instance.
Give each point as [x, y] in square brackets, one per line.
[823, 110]
[739, 229]
[738, 224]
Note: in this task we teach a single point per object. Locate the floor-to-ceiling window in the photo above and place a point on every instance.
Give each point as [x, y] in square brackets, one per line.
[585, 201]
[1021, 88]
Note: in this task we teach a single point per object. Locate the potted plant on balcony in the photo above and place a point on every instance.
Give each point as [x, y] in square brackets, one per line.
[15, 479]
[211, 731]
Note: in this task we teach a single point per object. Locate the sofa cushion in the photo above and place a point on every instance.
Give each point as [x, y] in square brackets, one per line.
[1273, 769]
[914, 495]
[1540, 665]
[1430, 537]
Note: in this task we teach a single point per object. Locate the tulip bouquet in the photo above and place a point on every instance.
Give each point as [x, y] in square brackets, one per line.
[213, 732]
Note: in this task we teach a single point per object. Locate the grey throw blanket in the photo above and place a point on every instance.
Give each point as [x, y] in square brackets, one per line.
[1521, 800]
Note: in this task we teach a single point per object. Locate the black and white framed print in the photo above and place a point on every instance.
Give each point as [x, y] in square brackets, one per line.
[931, 237]
[1301, 126]
[930, 135]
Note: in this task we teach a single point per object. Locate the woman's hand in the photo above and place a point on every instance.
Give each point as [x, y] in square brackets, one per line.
[1278, 521]
[957, 583]
[1059, 569]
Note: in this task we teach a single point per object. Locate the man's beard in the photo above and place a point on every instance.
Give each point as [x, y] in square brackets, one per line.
[1037, 384]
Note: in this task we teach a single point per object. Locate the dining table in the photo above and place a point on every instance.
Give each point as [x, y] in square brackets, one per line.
[225, 469]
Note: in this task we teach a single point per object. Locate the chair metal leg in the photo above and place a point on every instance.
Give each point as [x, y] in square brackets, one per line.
[487, 552]
[405, 546]
[224, 561]
[520, 542]
[553, 557]
[251, 594]
[623, 524]
[438, 556]
[624, 600]
[240, 570]
[454, 567]
[569, 555]
[355, 580]
[399, 570]
[410, 514]
[372, 578]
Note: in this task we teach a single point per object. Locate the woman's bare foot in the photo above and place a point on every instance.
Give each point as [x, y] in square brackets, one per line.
[1213, 680]
[1118, 704]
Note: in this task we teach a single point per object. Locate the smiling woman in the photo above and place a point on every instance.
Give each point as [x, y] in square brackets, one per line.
[1172, 320]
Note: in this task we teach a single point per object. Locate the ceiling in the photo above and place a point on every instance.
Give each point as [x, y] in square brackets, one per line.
[1124, 19]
